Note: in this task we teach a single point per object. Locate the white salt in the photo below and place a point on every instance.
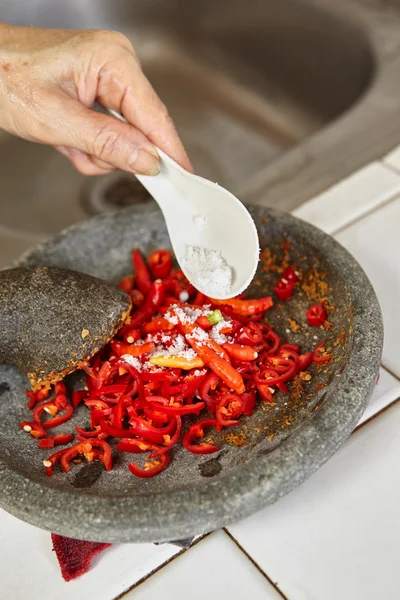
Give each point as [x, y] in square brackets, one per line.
[133, 361]
[208, 270]
[216, 334]
[184, 296]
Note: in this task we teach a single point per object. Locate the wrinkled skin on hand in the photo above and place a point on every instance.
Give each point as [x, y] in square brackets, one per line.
[50, 78]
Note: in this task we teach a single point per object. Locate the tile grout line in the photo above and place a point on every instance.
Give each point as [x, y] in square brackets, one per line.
[367, 213]
[253, 562]
[390, 372]
[234, 540]
[376, 415]
[384, 408]
[160, 567]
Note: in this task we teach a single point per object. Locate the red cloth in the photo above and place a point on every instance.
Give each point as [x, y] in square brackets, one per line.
[75, 556]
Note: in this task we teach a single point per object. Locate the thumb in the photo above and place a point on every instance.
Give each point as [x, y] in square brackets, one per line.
[112, 141]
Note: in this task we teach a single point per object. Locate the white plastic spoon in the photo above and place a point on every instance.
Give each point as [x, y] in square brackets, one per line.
[203, 215]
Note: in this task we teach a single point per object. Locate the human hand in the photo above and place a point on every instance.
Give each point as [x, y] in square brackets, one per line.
[50, 78]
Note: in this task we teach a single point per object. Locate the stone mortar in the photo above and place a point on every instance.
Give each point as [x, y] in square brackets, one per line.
[285, 442]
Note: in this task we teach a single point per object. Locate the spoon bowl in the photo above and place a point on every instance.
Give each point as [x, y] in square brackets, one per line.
[204, 220]
[201, 214]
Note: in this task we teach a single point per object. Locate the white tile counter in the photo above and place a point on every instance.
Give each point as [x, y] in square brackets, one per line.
[335, 537]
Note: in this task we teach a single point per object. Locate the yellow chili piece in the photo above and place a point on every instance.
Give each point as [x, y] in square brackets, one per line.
[177, 362]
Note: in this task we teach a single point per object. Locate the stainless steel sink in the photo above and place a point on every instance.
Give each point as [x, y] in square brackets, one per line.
[274, 100]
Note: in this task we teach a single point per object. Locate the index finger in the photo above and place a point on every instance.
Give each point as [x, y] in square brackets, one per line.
[128, 91]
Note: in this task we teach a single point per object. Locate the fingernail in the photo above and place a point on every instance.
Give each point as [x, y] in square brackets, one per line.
[152, 150]
[145, 163]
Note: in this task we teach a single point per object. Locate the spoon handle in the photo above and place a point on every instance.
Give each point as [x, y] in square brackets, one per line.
[159, 186]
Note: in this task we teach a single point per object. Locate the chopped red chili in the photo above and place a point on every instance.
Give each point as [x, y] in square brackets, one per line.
[151, 467]
[197, 431]
[290, 274]
[88, 450]
[316, 315]
[222, 361]
[283, 290]
[126, 284]
[320, 355]
[249, 335]
[59, 440]
[160, 263]
[143, 279]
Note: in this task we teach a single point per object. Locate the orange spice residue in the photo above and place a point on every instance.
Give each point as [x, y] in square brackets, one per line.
[236, 439]
[316, 288]
[297, 388]
[305, 376]
[269, 261]
[340, 340]
[294, 326]
[208, 440]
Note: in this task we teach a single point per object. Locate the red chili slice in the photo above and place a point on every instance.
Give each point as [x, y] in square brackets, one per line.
[246, 308]
[320, 355]
[197, 431]
[53, 409]
[130, 336]
[172, 439]
[284, 291]
[119, 410]
[316, 315]
[160, 263]
[150, 306]
[229, 408]
[120, 348]
[209, 384]
[34, 429]
[249, 335]
[59, 440]
[136, 375]
[87, 449]
[137, 298]
[305, 360]
[32, 399]
[135, 446]
[170, 409]
[151, 468]
[184, 389]
[248, 403]
[148, 432]
[267, 377]
[265, 393]
[156, 325]
[143, 279]
[60, 389]
[290, 275]
[52, 460]
[88, 434]
[290, 348]
[275, 340]
[126, 284]
[78, 396]
[239, 352]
